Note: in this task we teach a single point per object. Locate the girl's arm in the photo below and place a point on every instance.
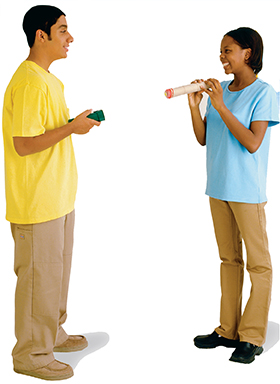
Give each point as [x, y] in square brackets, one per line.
[251, 138]
[199, 125]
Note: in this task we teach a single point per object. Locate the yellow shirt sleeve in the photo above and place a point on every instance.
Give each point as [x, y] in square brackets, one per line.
[30, 106]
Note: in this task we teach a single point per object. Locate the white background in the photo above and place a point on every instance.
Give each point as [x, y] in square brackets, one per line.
[145, 268]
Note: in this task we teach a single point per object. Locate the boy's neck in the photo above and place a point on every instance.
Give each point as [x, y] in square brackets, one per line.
[40, 60]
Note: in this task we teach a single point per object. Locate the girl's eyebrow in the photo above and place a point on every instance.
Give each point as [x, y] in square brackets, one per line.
[226, 47]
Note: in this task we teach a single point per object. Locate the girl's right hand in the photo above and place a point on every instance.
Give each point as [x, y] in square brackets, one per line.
[196, 97]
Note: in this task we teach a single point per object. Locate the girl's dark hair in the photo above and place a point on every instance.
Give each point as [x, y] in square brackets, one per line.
[40, 17]
[248, 38]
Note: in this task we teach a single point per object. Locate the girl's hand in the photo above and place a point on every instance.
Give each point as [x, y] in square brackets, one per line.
[215, 93]
[196, 97]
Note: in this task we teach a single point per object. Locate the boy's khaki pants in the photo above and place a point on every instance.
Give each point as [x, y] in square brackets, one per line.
[43, 254]
[232, 223]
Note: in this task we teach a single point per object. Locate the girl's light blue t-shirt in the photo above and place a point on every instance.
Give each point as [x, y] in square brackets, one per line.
[233, 173]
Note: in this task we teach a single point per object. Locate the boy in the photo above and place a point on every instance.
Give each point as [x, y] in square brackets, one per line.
[41, 184]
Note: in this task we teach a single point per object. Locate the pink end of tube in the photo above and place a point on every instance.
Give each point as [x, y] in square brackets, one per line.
[169, 93]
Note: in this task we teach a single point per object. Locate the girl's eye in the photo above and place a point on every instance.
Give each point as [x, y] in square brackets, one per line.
[226, 51]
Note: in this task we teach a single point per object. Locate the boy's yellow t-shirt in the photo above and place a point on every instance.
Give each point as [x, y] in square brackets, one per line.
[42, 186]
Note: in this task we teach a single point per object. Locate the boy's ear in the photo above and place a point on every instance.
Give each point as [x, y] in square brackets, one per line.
[40, 35]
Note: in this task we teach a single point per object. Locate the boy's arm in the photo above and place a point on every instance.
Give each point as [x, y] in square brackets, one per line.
[28, 145]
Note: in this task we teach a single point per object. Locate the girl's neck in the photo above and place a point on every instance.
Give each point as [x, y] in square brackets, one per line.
[242, 81]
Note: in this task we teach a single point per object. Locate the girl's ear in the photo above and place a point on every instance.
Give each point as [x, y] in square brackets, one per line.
[248, 55]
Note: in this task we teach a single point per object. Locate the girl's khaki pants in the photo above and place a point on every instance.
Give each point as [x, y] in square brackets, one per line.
[43, 254]
[232, 223]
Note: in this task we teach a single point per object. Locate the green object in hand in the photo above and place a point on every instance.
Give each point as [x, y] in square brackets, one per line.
[97, 115]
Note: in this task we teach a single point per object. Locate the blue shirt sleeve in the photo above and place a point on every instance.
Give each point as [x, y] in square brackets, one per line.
[266, 108]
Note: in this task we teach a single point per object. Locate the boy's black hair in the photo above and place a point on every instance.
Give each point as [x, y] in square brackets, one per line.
[249, 38]
[40, 17]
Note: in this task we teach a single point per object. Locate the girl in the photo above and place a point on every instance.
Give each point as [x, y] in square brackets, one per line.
[236, 132]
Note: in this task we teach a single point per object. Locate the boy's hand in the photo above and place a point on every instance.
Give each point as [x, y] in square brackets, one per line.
[82, 124]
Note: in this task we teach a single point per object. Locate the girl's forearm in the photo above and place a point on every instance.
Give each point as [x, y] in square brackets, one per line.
[199, 125]
[251, 138]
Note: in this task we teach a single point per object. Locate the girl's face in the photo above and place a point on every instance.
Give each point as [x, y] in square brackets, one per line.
[232, 56]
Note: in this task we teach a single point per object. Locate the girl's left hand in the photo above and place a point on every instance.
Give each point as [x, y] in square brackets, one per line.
[215, 93]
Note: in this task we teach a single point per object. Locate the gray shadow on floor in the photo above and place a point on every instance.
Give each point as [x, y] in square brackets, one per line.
[272, 336]
[96, 341]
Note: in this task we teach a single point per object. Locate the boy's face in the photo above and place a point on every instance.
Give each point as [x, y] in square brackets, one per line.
[59, 40]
